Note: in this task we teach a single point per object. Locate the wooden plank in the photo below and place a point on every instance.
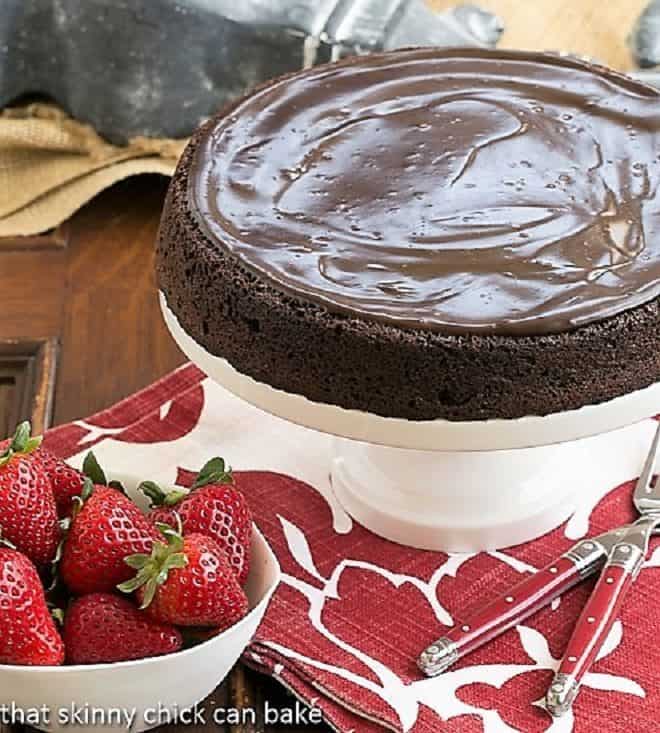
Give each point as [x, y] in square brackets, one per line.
[27, 379]
[41, 410]
[56, 239]
[114, 340]
[585, 27]
[11, 393]
[33, 287]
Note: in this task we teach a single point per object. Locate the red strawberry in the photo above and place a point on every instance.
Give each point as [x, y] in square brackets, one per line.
[102, 628]
[28, 513]
[187, 582]
[28, 634]
[215, 508]
[67, 482]
[107, 528]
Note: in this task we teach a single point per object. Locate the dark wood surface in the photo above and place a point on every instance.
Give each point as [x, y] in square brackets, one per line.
[80, 328]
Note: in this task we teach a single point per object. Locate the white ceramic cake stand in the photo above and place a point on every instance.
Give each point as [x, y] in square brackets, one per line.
[456, 486]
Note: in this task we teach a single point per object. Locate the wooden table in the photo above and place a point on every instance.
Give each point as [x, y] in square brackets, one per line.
[79, 321]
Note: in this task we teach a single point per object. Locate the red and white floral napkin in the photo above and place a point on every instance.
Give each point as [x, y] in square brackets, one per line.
[354, 610]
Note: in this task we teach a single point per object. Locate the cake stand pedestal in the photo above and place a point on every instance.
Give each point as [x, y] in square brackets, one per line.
[456, 486]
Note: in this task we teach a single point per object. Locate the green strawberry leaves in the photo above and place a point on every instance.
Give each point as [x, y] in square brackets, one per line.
[21, 437]
[216, 471]
[158, 497]
[153, 570]
[92, 469]
[23, 442]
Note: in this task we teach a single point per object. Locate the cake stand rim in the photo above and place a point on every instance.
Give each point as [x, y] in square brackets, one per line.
[435, 435]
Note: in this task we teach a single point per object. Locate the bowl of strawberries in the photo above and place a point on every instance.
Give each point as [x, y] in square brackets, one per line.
[121, 603]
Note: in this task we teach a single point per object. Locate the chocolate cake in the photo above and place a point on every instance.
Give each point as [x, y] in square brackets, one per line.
[458, 234]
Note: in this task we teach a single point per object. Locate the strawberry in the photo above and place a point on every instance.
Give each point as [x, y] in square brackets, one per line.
[28, 513]
[215, 507]
[67, 482]
[105, 529]
[28, 632]
[104, 628]
[187, 581]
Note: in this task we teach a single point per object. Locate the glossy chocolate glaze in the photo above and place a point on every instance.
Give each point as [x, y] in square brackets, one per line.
[460, 191]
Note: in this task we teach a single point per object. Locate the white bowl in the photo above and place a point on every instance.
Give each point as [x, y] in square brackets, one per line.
[168, 684]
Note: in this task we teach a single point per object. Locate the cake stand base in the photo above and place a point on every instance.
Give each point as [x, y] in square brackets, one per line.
[486, 500]
[458, 502]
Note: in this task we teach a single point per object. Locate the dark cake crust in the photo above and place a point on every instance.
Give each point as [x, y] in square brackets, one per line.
[300, 347]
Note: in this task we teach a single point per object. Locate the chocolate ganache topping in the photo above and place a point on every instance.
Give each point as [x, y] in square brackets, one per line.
[460, 191]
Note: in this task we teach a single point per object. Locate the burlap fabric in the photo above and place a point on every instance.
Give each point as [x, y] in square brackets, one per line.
[50, 165]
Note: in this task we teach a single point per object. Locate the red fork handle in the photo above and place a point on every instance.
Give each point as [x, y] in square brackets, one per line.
[594, 625]
[521, 601]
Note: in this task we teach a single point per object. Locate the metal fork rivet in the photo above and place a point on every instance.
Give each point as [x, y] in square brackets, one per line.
[509, 599]
[432, 650]
[572, 659]
[553, 570]
[610, 581]
[465, 628]
[557, 687]
[625, 549]
[588, 546]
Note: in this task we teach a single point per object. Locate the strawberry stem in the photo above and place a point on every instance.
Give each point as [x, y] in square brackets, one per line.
[78, 502]
[23, 442]
[215, 471]
[153, 570]
[158, 497]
